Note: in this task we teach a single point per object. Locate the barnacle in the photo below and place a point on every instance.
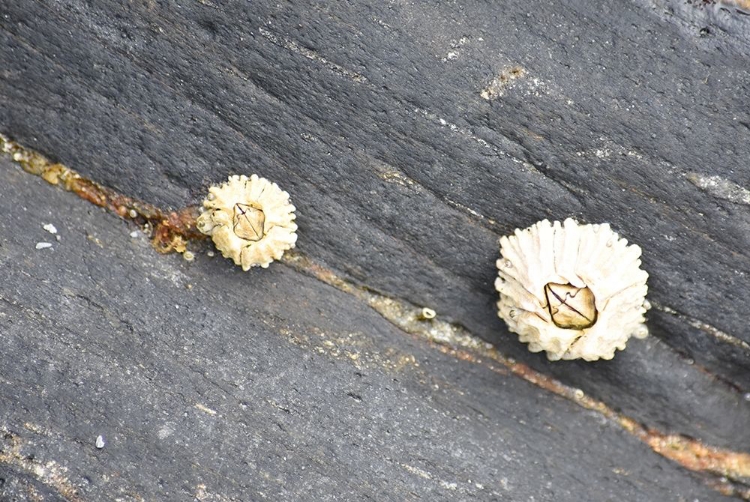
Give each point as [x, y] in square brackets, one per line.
[574, 291]
[250, 220]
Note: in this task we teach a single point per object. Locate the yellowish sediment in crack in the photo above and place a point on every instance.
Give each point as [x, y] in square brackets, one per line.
[458, 342]
[169, 231]
[49, 473]
[179, 227]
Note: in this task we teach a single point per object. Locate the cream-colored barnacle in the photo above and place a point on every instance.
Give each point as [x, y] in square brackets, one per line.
[574, 291]
[250, 220]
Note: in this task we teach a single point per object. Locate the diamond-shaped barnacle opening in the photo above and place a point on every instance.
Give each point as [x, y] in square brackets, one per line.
[570, 307]
[248, 222]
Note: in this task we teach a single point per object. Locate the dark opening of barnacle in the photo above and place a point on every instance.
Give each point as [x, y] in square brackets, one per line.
[570, 307]
[248, 222]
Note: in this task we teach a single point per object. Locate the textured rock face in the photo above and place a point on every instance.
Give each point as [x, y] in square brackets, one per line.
[411, 137]
[211, 383]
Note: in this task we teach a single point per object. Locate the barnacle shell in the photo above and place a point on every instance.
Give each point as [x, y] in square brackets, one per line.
[574, 291]
[250, 220]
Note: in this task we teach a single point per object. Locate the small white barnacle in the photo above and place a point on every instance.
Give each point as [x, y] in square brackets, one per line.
[426, 314]
[250, 220]
[574, 291]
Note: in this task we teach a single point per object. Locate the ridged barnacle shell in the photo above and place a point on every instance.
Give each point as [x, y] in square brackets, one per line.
[250, 220]
[574, 291]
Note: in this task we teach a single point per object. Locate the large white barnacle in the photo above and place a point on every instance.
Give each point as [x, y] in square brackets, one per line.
[574, 291]
[250, 220]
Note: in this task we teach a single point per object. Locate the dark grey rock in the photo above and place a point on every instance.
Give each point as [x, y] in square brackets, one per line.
[207, 381]
[372, 117]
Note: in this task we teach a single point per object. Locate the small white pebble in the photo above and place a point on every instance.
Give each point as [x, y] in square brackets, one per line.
[100, 442]
[133, 213]
[134, 234]
[49, 227]
[43, 245]
[210, 254]
[188, 255]
[57, 237]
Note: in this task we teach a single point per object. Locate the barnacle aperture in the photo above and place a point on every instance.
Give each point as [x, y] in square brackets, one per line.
[574, 291]
[570, 307]
[250, 220]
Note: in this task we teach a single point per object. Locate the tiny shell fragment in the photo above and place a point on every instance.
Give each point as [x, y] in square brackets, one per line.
[574, 291]
[250, 220]
[427, 314]
[43, 245]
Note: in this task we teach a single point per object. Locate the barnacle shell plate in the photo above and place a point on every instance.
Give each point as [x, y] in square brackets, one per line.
[250, 220]
[574, 291]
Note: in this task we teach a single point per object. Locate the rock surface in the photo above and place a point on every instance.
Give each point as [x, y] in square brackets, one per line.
[410, 138]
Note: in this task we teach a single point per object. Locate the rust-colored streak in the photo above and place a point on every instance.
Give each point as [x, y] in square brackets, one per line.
[690, 453]
[170, 231]
[731, 467]
[301, 262]
[699, 457]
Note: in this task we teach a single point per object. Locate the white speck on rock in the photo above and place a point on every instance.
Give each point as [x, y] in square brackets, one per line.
[49, 227]
[100, 442]
[165, 432]
[43, 245]
[720, 188]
